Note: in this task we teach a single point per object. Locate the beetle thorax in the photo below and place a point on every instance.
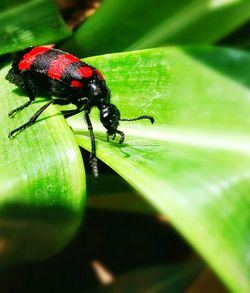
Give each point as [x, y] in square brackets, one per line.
[98, 92]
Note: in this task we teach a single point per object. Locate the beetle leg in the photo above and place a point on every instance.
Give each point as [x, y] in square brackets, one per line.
[30, 94]
[79, 108]
[69, 113]
[31, 121]
[92, 157]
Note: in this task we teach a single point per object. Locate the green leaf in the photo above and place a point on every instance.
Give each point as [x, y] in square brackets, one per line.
[193, 164]
[33, 23]
[5, 4]
[118, 26]
[42, 181]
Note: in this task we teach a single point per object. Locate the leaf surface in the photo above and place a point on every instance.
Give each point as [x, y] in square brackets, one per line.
[193, 164]
[42, 181]
[118, 26]
[31, 23]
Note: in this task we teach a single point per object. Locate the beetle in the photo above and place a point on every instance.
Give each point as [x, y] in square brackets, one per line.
[65, 79]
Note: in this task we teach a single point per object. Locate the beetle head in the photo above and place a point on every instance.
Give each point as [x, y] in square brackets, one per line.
[110, 116]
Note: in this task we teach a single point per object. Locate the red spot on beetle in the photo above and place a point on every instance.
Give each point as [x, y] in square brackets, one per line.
[85, 71]
[58, 65]
[99, 73]
[29, 58]
[76, 83]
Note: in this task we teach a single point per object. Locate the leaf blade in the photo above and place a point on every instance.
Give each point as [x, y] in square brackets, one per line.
[42, 182]
[32, 23]
[119, 28]
[193, 164]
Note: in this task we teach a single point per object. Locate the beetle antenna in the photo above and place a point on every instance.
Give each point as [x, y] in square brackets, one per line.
[139, 118]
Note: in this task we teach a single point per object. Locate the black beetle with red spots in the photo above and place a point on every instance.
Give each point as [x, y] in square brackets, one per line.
[65, 79]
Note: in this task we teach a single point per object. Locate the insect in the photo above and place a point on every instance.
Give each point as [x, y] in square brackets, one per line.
[65, 79]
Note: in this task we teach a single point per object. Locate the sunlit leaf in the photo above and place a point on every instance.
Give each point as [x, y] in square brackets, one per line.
[42, 181]
[193, 165]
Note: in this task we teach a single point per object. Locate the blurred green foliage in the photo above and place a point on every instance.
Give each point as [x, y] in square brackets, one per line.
[191, 166]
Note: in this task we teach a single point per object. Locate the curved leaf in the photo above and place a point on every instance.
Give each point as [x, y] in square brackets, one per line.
[118, 26]
[193, 165]
[42, 181]
[34, 23]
